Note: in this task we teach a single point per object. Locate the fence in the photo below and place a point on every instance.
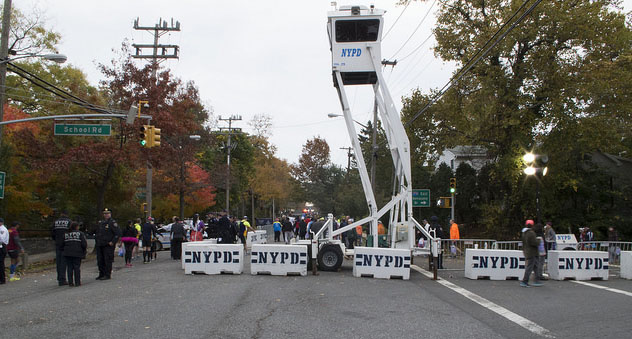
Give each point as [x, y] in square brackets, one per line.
[456, 248]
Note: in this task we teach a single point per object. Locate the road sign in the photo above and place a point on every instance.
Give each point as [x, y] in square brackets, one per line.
[96, 130]
[2, 175]
[421, 198]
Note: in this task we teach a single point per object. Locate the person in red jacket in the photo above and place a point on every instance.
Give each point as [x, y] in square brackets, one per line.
[14, 248]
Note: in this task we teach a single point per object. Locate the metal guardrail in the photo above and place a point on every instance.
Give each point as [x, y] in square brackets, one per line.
[614, 248]
[456, 248]
[507, 245]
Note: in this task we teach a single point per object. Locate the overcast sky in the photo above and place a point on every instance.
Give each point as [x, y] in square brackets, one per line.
[256, 57]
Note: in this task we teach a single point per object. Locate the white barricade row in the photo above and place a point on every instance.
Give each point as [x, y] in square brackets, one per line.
[626, 264]
[578, 265]
[256, 237]
[383, 263]
[494, 264]
[204, 257]
[278, 259]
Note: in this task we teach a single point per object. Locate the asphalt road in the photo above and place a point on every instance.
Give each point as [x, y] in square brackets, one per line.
[158, 300]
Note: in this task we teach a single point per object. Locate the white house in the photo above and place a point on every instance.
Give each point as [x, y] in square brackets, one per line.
[475, 156]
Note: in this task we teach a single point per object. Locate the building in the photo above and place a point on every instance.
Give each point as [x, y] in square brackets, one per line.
[475, 156]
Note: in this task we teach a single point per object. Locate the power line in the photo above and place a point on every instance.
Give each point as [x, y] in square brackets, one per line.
[396, 20]
[473, 61]
[415, 31]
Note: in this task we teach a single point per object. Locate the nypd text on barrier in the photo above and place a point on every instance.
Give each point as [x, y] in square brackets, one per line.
[583, 263]
[196, 257]
[276, 257]
[380, 260]
[498, 262]
[351, 52]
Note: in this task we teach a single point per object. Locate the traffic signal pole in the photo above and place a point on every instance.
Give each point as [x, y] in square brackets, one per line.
[452, 203]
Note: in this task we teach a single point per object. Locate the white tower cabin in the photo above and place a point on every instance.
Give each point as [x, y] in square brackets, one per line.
[355, 34]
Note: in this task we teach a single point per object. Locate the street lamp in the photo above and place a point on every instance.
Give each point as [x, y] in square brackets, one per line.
[373, 144]
[334, 115]
[531, 170]
[58, 58]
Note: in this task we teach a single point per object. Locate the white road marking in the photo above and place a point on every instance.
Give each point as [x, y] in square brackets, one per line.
[524, 322]
[629, 294]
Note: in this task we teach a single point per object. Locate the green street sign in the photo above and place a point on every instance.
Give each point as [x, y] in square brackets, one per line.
[2, 175]
[421, 198]
[96, 130]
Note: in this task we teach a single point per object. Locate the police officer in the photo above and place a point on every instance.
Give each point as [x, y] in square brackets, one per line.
[107, 236]
[60, 227]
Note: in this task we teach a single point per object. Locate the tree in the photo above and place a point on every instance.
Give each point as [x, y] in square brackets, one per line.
[541, 80]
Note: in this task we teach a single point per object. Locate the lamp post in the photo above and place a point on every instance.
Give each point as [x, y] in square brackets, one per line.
[373, 145]
[532, 160]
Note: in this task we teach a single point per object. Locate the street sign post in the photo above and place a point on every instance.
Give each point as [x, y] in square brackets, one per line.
[421, 198]
[2, 175]
[95, 130]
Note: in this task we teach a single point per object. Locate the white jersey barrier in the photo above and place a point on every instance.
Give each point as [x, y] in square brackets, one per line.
[278, 259]
[383, 263]
[186, 245]
[256, 237]
[626, 265]
[204, 257]
[494, 264]
[579, 265]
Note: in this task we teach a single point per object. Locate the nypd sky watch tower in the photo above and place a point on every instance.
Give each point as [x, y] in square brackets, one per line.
[355, 34]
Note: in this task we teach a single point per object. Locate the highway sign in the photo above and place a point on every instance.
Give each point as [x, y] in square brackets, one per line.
[95, 130]
[421, 198]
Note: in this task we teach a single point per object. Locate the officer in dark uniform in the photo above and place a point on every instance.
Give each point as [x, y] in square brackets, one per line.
[60, 227]
[108, 234]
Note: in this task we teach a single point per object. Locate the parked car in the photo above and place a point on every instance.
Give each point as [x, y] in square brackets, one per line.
[163, 233]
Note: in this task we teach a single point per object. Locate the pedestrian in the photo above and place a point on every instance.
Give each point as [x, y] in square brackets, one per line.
[130, 240]
[135, 249]
[351, 234]
[14, 248]
[287, 230]
[530, 250]
[58, 231]
[277, 227]
[244, 228]
[454, 236]
[148, 233]
[302, 228]
[223, 229]
[198, 228]
[4, 241]
[177, 235]
[438, 234]
[359, 232]
[590, 238]
[539, 234]
[107, 235]
[550, 237]
[613, 247]
[74, 249]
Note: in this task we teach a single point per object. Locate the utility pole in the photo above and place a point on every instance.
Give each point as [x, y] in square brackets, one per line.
[230, 130]
[349, 155]
[4, 53]
[159, 30]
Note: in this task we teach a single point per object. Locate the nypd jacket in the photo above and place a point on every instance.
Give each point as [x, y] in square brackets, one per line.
[107, 231]
[74, 244]
[60, 227]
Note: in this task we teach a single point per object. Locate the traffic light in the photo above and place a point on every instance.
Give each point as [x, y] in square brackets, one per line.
[155, 137]
[144, 135]
[444, 202]
[452, 185]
